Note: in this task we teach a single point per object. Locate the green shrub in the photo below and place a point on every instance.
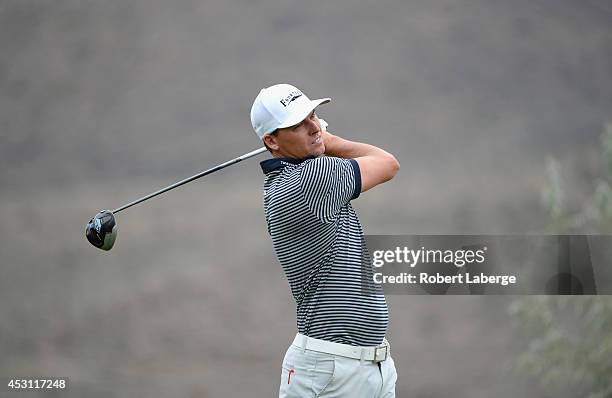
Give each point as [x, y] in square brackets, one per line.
[570, 337]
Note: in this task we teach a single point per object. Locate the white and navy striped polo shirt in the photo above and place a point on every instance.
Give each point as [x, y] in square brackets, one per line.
[319, 243]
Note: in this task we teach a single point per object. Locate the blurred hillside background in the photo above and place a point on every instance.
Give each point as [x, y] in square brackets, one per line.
[102, 102]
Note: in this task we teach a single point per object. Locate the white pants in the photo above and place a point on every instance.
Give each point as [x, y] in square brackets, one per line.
[314, 374]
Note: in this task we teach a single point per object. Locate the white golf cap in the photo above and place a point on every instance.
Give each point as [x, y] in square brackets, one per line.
[279, 106]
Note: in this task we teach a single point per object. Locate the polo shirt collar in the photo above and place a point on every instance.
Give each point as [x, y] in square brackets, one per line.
[270, 165]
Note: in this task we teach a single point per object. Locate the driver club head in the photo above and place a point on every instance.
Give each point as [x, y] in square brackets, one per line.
[101, 231]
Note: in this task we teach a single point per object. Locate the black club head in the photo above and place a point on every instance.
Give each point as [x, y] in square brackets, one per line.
[101, 231]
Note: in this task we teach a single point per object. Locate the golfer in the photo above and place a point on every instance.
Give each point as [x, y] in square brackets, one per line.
[340, 349]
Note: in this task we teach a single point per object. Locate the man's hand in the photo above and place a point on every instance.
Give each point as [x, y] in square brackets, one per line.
[323, 124]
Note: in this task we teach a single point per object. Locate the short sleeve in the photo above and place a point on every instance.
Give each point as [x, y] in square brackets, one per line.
[329, 183]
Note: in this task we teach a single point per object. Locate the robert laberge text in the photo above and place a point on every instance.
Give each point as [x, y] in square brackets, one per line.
[426, 278]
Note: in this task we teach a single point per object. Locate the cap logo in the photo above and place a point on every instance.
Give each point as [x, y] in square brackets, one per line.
[291, 97]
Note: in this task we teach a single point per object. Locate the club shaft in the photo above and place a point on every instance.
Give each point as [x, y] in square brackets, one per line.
[194, 177]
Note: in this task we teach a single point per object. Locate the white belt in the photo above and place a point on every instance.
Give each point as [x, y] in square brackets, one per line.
[376, 354]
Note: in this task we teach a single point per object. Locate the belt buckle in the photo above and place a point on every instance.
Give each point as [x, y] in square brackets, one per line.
[382, 353]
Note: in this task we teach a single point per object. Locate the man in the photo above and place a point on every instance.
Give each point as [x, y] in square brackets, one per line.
[340, 349]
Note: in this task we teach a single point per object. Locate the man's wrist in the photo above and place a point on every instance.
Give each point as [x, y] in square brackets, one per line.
[332, 144]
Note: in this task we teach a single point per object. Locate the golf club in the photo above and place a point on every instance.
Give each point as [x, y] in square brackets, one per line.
[101, 230]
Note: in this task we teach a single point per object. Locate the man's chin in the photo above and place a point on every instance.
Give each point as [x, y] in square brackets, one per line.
[320, 151]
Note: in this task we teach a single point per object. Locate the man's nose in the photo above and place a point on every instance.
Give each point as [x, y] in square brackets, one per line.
[312, 126]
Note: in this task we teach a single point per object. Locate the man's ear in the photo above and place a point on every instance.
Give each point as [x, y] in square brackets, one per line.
[270, 141]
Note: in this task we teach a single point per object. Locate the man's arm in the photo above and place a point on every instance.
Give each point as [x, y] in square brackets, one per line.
[376, 165]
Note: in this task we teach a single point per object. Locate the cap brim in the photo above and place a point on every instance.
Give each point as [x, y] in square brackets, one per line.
[302, 113]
